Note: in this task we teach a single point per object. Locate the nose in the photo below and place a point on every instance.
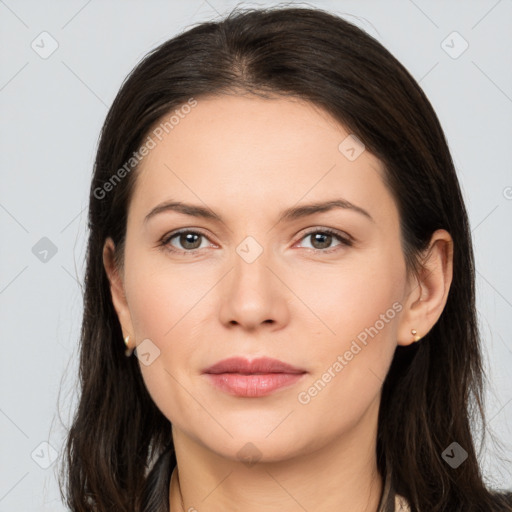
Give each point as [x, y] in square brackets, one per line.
[253, 294]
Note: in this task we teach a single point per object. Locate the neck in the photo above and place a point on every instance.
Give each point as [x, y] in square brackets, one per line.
[341, 475]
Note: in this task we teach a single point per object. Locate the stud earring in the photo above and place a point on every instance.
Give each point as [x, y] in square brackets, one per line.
[415, 334]
[128, 351]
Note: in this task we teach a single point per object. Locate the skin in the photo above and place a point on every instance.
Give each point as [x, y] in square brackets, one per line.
[247, 159]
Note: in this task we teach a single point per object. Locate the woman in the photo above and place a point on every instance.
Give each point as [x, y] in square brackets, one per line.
[277, 228]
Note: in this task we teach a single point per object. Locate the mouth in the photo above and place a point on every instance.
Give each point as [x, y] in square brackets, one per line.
[238, 376]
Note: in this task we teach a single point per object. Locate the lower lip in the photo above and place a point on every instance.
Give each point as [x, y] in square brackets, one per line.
[254, 385]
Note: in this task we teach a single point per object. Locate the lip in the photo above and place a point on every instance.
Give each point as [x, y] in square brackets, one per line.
[258, 365]
[259, 377]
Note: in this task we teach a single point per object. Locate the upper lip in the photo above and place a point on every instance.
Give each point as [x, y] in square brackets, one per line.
[258, 365]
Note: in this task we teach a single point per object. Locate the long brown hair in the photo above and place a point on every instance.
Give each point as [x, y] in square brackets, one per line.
[119, 452]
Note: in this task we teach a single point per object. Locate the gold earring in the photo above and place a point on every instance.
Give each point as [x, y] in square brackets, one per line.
[415, 334]
[128, 351]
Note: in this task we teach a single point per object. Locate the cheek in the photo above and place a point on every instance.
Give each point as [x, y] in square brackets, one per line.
[165, 307]
[361, 309]
[162, 297]
[349, 369]
[354, 294]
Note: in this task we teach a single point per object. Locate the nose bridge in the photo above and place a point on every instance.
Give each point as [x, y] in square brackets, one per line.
[251, 294]
[250, 261]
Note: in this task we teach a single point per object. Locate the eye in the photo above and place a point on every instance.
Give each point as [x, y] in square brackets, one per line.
[321, 239]
[188, 240]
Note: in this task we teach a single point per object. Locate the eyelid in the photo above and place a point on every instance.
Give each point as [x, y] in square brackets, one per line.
[322, 229]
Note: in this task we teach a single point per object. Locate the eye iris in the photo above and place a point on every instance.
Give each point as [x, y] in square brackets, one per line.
[186, 240]
[326, 242]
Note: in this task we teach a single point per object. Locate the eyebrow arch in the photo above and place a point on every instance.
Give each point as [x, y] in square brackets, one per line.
[319, 207]
[292, 213]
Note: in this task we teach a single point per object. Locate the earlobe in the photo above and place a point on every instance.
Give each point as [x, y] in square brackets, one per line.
[117, 289]
[428, 295]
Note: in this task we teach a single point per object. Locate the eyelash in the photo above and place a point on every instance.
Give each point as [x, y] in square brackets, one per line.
[345, 241]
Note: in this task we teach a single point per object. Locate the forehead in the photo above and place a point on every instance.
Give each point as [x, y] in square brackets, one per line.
[228, 126]
[255, 152]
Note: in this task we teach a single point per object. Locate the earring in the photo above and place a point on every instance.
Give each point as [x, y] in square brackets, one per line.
[128, 351]
[415, 334]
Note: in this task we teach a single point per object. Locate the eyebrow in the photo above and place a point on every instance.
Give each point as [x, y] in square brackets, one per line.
[292, 213]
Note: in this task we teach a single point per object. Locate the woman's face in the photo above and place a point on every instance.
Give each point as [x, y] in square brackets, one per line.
[255, 283]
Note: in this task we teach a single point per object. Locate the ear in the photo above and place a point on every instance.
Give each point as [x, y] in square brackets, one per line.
[117, 289]
[428, 292]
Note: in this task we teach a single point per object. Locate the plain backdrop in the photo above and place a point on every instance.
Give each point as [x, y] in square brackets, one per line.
[62, 64]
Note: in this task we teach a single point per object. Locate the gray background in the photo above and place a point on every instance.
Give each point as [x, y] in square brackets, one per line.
[52, 110]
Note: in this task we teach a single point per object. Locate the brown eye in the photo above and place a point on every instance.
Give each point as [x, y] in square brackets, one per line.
[187, 241]
[322, 240]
